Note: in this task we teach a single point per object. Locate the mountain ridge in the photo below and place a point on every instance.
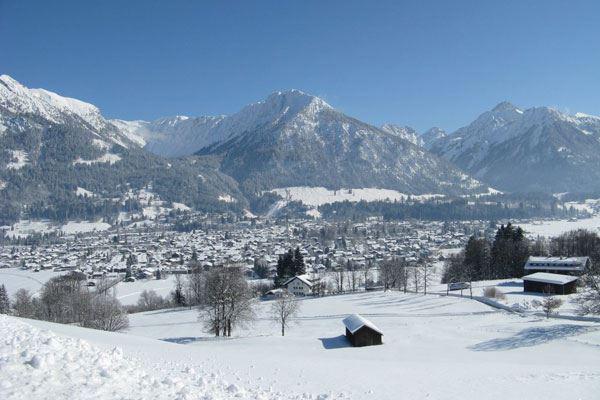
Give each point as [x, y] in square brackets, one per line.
[536, 149]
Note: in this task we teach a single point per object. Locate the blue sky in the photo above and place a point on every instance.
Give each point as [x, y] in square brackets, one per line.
[420, 63]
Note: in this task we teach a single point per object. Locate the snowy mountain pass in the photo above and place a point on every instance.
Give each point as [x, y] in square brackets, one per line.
[433, 347]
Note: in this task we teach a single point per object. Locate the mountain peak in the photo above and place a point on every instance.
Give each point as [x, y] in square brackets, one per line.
[21, 99]
[504, 106]
[295, 99]
[405, 132]
[9, 80]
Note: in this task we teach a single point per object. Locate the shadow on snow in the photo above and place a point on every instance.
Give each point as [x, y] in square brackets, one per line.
[336, 342]
[533, 337]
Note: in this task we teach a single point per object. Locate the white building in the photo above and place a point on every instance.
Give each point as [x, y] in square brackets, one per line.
[298, 286]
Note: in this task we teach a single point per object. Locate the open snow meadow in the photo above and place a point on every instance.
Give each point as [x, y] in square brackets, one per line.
[434, 347]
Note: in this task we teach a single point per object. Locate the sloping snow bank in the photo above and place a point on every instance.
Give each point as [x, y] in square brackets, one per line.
[38, 364]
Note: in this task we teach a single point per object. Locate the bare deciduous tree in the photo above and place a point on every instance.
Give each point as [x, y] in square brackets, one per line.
[284, 309]
[227, 300]
[23, 305]
[107, 314]
[195, 286]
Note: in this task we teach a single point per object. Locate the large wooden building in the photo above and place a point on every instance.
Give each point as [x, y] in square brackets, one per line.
[558, 265]
[543, 282]
[361, 332]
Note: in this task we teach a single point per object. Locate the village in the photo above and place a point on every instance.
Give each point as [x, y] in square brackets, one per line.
[143, 253]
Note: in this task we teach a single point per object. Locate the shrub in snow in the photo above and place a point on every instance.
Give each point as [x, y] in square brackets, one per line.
[492, 292]
[549, 305]
[588, 302]
[107, 314]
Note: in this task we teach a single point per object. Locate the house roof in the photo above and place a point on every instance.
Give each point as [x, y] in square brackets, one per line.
[354, 322]
[302, 278]
[557, 263]
[545, 277]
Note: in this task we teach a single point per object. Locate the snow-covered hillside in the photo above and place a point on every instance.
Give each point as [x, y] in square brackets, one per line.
[434, 347]
[173, 136]
[64, 362]
[18, 100]
[432, 135]
[405, 132]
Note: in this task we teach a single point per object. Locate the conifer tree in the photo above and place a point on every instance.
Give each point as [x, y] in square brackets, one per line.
[4, 301]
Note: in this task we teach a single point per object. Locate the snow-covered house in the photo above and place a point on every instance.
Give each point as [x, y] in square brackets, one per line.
[298, 285]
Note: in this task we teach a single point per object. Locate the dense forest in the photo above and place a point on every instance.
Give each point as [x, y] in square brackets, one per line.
[499, 207]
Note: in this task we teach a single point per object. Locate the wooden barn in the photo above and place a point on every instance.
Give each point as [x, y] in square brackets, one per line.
[361, 332]
[544, 282]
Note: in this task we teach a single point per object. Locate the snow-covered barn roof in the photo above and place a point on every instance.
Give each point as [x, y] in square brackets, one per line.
[355, 321]
[546, 277]
[557, 263]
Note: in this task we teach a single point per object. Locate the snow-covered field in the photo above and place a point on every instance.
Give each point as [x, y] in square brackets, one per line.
[25, 228]
[72, 227]
[317, 196]
[434, 347]
[557, 227]
[106, 158]
[128, 293]
[15, 278]
[514, 296]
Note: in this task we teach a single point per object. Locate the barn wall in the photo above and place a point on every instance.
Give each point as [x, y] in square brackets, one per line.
[540, 287]
[366, 337]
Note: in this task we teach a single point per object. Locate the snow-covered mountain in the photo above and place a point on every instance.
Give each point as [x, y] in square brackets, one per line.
[295, 139]
[538, 149]
[405, 132]
[432, 135]
[180, 136]
[174, 136]
[18, 102]
[51, 145]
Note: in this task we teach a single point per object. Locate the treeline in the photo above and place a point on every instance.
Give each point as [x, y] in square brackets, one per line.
[45, 186]
[66, 300]
[289, 265]
[458, 209]
[482, 259]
